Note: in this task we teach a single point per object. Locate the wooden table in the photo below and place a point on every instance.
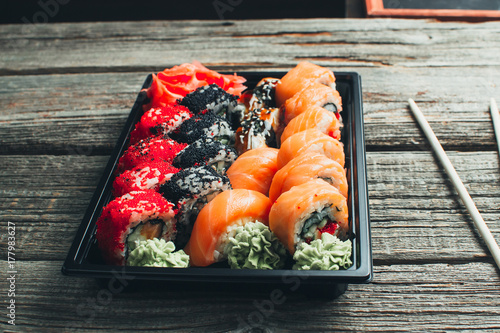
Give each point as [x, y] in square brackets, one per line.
[66, 91]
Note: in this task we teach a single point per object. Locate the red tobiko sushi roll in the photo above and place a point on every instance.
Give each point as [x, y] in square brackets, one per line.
[143, 177]
[131, 218]
[159, 121]
[151, 149]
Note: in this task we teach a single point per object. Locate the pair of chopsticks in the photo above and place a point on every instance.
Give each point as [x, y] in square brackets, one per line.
[455, 179]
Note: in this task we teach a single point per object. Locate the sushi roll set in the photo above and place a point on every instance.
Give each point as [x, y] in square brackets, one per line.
[218, 173]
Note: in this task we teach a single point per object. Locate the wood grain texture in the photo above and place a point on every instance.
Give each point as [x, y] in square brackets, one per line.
[401, 298]
[415, 212]
[85, 113]
[146, 46]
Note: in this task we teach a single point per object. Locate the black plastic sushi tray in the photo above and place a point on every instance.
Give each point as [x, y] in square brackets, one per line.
[84, 259]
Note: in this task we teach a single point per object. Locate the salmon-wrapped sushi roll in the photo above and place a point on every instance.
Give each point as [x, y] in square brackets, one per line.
[310, 140]
[304, 168]
[254, 170]
[151, 149]
[314, 117]
[130, 219]
[218, 220]
[300, 77]
[314, 94]
[306, 211]
[159, 121]
[143, 177]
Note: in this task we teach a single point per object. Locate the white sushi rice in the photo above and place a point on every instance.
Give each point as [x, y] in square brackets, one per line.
[168, 231]
[141, 181]
[219, 129]
[323, 124]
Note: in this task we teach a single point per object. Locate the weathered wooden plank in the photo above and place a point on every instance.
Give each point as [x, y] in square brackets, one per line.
[429, 296]
[415, 212]
[85, 113]
[65, 114]
[144, 45]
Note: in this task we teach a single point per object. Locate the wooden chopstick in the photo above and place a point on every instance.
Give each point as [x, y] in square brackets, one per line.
[459, 186]
[495, 117]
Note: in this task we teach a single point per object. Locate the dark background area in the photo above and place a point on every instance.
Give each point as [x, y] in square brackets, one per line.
[44, 11]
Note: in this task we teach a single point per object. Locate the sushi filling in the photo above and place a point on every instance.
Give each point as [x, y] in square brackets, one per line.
[330, 107]
[220, 166]
[221, 132]
[144, 231]
[318, 223]
[235, 116]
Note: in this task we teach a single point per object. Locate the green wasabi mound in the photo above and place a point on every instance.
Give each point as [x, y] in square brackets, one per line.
[254, 246]
[327, 253]
[157, 253]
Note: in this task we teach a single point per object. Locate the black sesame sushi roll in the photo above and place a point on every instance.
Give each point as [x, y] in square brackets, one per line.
[191, 189]
[206, 151]
[211, 97]
[204, 125]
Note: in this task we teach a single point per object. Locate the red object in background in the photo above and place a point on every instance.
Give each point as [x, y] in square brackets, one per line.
[376, 8]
